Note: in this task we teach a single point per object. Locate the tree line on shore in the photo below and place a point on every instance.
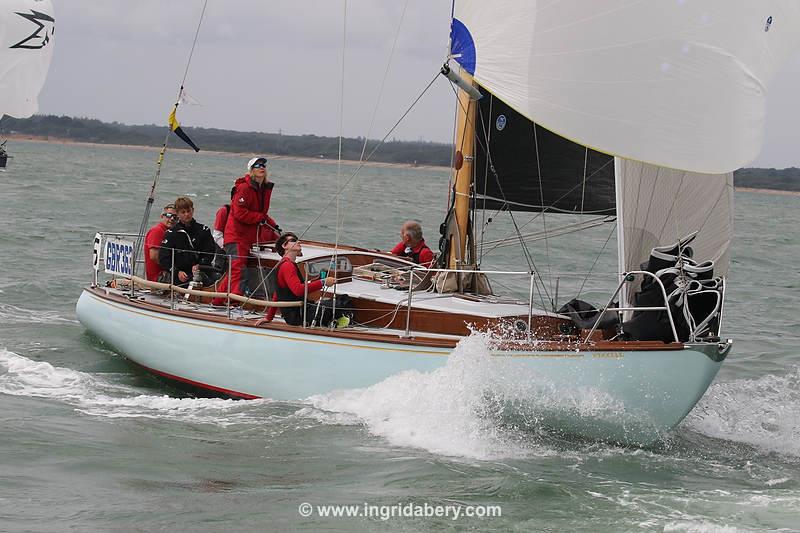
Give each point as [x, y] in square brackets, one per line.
[404, 152]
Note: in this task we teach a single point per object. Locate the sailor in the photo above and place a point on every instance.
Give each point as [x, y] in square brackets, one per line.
[291, 286]
[193, 246]
[248, 223]
[412, 245]
[152, 243]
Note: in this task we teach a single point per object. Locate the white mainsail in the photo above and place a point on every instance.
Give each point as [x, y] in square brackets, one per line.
[26, 47]
[679, 83]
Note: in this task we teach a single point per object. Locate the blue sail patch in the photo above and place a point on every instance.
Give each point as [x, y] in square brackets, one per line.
[462, 47]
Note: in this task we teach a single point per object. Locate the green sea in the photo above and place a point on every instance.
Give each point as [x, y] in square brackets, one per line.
[89, 442]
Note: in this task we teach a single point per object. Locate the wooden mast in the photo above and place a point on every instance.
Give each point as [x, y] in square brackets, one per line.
[464, 161]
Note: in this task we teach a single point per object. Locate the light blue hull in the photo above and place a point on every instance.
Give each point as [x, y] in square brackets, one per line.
[631, 396]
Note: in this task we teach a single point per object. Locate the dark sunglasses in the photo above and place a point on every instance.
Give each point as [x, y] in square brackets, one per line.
[169, 215]
[259, 165]
[287, 241]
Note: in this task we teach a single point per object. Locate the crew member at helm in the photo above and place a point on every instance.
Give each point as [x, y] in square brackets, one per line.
[292, 287]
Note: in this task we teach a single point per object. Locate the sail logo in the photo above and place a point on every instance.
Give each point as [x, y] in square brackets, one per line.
[500, 123]
[45, 28]
[119, 257]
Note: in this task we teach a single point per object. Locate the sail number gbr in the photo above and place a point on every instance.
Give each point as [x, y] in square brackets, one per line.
[119, 257]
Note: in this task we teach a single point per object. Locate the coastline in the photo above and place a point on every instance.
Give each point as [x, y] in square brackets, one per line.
[768, 191]
[57, 140]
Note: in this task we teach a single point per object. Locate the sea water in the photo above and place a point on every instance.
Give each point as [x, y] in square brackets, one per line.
[89, 442]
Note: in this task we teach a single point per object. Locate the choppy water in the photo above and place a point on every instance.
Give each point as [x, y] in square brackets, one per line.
[90, 443]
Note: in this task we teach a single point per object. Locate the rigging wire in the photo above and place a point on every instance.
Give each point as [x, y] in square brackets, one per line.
[480, 141]
[596, 258]
[151, 196]
[547, 208]
[485, 187]
[541, 199]
[361, 165]
[528, 256]
[339, 223]
[383, 81]
[371, 153]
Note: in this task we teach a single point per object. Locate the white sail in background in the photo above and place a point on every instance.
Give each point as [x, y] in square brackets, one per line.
[26, 47]
[677, 83]
[660, 206]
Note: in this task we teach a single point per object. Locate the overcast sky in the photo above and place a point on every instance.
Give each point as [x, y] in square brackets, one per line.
[276, 66]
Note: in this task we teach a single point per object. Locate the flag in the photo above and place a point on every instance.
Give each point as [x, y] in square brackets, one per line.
[175, 127]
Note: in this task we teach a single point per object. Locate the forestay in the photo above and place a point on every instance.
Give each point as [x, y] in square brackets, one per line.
[679, 83]
[26, 47]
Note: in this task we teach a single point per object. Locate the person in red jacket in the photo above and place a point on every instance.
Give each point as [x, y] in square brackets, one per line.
[412, 246]
[292, 287]
[248, 223]
[152, 243]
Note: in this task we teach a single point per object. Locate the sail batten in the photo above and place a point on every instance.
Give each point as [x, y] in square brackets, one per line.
[677, 84]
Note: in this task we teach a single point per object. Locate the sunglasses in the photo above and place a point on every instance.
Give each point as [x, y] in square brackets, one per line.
[169, 215]
[287, 241]
[259, 165]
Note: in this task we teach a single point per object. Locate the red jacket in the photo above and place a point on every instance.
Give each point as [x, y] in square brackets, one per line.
[288, 279]
[249, 207]
[420, 254]
[153, 240]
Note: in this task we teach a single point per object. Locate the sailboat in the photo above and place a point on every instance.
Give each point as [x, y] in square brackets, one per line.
[4, 157]
[26, 48]
[631, 113]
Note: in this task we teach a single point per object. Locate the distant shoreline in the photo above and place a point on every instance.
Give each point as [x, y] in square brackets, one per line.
[56, 140]
[768, 191]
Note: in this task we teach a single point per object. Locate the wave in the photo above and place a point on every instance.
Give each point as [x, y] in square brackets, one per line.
[763, 412]
[96, 396]
[472, 407]
[11, 314]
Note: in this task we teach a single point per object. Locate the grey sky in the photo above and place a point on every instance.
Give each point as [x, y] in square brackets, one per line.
[270, 66]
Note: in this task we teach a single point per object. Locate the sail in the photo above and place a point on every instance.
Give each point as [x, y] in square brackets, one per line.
[679, 84]
[26, 47]
[521, 166]
[660, 206]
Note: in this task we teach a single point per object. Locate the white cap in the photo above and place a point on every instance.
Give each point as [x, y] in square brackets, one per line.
[254, 160]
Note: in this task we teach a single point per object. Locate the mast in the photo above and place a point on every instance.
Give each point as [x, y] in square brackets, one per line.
[465, 146]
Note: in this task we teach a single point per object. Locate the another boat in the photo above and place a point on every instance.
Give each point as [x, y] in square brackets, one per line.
[4, 157]
[606, 109]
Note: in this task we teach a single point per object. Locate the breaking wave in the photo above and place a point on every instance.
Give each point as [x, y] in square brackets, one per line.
[475, 406]
[763, 412]
[95, 396]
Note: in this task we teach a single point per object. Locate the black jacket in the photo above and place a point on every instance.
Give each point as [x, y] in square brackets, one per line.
[193, 244]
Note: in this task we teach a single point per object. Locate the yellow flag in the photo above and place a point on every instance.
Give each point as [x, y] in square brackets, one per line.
[175, 127]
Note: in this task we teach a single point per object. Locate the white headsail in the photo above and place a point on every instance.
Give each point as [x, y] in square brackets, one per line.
[660, 206]
[679, 83]
[26, 47]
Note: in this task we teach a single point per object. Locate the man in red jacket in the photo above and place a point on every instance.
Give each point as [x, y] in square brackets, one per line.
[152, 243]
[412, 246]
[248, 223]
